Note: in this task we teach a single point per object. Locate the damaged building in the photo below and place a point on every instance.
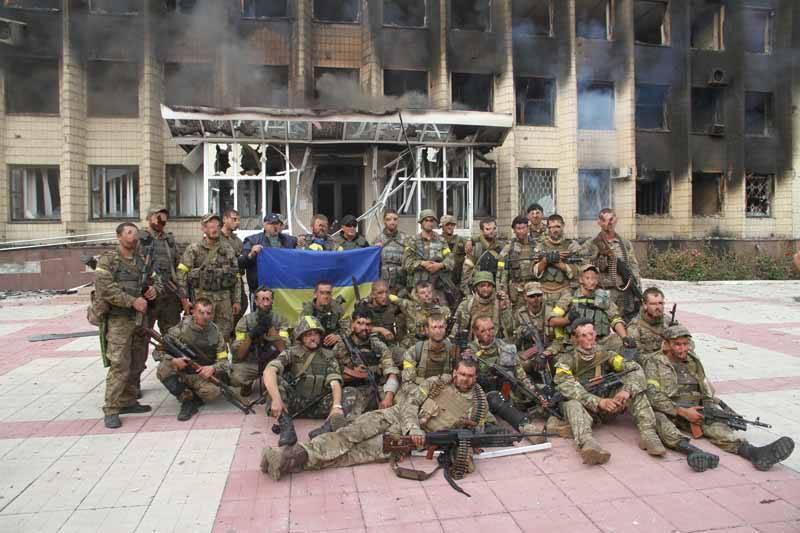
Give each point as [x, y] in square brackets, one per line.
[679, 114]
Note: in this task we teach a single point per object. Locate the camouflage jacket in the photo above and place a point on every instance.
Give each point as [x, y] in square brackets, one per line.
[421, 249]
[622, 248]
[503, 354]
[421, 362]
[165, 252]
[474, 307]
[552, 278]
[483, 253]
[457, 244]
[669, 382]
[311, 372]
[207, 341]
[331, 317]
[598, 308]
[647, 334]
[525, 319]
[234, 242]
[117, 281]
[513, 267]
[373, 351]
[279, 330]
[416, 315]
[342, 244]
[212, 270]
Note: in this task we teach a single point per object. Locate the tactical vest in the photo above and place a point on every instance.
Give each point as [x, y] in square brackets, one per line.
[478, 310]
[312, 382]
[385, 316]
[553, 274]
[447, 408]
[391, 258]
[355, 244]
[594, 308]
[499, 352]
[485, 257]
[369, 352]
[520, 271]
[688, 385]
[164, 253]
[328, 316]
[429, 364]
[217, 270]
[435, 253]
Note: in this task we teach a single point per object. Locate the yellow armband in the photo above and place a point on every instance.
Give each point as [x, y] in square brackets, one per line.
[183, 268]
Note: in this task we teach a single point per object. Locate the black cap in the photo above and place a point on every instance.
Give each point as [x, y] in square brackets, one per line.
[349, 220]
[273, 218]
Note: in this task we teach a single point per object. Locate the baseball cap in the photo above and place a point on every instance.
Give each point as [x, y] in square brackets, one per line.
[448, 219]
[349, 220]
[533, 287]
[273, 218]
[676, 332]
[211, 216]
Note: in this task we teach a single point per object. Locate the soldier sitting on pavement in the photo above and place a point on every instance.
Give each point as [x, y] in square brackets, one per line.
[528, 326]
[349, 238]
[439, 404]
[483, 301]
[430, 357]
[416, 312]
[259, 337]
[199, 333]
[580, 407]
[647, 329]
[678, 391]
[328, 311]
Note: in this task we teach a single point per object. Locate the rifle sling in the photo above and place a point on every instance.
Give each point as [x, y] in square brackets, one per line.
[410, 473]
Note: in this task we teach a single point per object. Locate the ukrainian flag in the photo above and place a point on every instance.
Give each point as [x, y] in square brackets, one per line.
[292, 274]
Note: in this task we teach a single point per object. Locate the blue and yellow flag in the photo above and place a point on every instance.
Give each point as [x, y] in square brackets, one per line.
[292, 274]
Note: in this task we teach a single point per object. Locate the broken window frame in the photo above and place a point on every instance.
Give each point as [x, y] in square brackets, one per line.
[592, 200]
[549, 88]
[717, 114]
[34, 196]
[759, 195]
[769, 29]
[718, 27]
[454, 9]
[246, 3]
[110, 105]
[180, 7]
[116, 196]
[347, 74]
[654, 108]
[587, 120]
[768, 113]
[484, 185]
[17, 67]
[112, 9]
[653, 192]
[397, 25]
[609, 23]
[455, 87]
[180, 203]
[665, 22]
[700, 176]
[538, 186]
[54, 5]
[357, 19]
[518, 23]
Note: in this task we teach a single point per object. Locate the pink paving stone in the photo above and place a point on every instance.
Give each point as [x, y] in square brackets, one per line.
[320, 482]
[788, 490]
[396, 507]
[246, 458]
[779, 527]
[592, 486]
[625, 515]
[692, 511]
[743, 467]
[379, 477]
[718, 477]
[253, 516]
[645, 479]
[481, 524]
[254, 485]
[559, 459]
[753, 504]
[218, 420]
[325, 512]
[568, 519]
[449, 504]
[536, 492]
[130, 424]
[18, 430]
[508, 468]
[753, 334]
[741, 529]
[433, 526]
[167, 423]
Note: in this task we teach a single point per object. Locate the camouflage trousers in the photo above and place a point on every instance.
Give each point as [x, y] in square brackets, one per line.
[243, 373]
[223, 312]
[294, 402]
[358, 400]
[195, 385]
[166, 310]
[669, 430]
[126, 350]
[359, 442]
[580, 419]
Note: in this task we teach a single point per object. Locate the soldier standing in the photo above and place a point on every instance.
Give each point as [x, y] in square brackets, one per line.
[678, 391]
[515, 266]
[318, 240]
[485, 255]
[230, 223]
[459, 247]
[211, 269]
[580, 406]
[118, 284]
[271, 237]
[427, 258]
[198, 332]
[536, 225]
[416, 312]
[552, 270]
[166, 309]
[393, 243]
[349, 238]
[484, 302]
[327, 311]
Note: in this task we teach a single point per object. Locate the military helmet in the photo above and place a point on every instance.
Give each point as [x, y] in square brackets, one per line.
[482, 275]
[307, 323]
[427, 213]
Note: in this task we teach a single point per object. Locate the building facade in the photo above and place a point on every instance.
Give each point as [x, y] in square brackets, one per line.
[680, 114]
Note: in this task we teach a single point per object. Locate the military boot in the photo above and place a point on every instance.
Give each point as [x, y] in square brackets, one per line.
[331, 424]
[593, 454]
[288, 434]
[649, 441]
[277, 462]
[763, 457]
[189, 408]
[556, 425]
[698, 460]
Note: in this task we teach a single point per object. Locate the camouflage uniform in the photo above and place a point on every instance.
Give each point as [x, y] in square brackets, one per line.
[392, 247]
[343, 244]
[117, 283]
[325, 243]
[538, 233]
[391, 317]
[166, 309]
[421, 249]
[329, 316]
[580, 407]
[647, 334]
[598, 308]
[485, 257]
[212, 271]
[237, 245]
[209, 343]
[456, 243]
[514, 270]
[505, 355]
[416, 318]
[421, 362]
[622, 249]
[245, 371]
[474, 307]
[555, 282]
[378, 358]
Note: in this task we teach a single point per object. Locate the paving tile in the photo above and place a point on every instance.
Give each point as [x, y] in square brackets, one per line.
[536, 492]
[508, 468]
[325, 512]
[396, 507]
[567, 519]
[313, 483]
[254, 484]
[692, 511]
[779, 527]
[109, 520]
[379, 477]
[592, 486]
[639, 478]
[718, 477]
[433, 526]
[753, 504]
[34, 522]
[559, 459]
[256, 515]
[624, 515]
[788, 490]
[480, 524]
[449, 504]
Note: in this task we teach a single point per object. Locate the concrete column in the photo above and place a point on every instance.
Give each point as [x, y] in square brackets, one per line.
[301, 73]
[371, 70]
[152, 183]
[794, 173]
[624, 190]
[504, 102]
[567, 117]
[440, 73]
[5, 201]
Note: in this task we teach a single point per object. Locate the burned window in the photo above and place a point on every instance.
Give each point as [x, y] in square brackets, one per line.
[483, 187]
[114, 7]
[759, 192]
[757, 113]
[34, 193]
[651, 22]
[183, 7]
[653, 188]
[472, 91]
[330, 83]
[594, 192]
[338, 11]
[184, 192]
[404, 13]
[262, 9]
[532, 17]
[32, 86]
[538, 186]
[189, 84]
[112, 89]
[471, 15]
[400, 82]
[708, 25]
[33, 4]
[596, 106]
[651, 107]
[263, 86]
[594, 19]
[114, 192]
[706, 193]
[535, 98]
[707, 110]
[758, 37]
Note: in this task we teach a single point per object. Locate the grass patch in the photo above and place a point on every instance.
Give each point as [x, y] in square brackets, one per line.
[706, 264]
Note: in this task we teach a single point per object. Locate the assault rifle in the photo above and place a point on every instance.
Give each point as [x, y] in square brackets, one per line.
[533, 338]
[355, 355]
[178, 349]
[144, 281]
[451, 442]
[553, 258]
[276, 428]
[599, 386]
[722, 412]
[672, 314]
[542, 397]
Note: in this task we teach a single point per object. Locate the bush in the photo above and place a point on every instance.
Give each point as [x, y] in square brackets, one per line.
[705, 264]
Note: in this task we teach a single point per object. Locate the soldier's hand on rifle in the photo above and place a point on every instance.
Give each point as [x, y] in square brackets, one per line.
[140, 305]
[150, 293]
[206, 372]
[692, 414]
[255, 250]
[277, 407]
[187, 306]
[180, 363]
[331, 339]
[388, 401]
[236, 308]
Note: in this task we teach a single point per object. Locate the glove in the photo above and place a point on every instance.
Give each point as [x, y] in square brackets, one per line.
[540, 362]
[629, 342]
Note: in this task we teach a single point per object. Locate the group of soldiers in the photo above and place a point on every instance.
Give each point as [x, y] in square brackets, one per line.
[457, 333]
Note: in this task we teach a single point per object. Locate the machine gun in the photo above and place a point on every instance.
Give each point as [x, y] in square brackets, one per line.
[722, 412]
[147, 274]
[178, 349]
[455, 445]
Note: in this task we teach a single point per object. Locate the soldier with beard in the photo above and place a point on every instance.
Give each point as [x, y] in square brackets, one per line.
[485, 255]
[647, 329]
[392, 243]
[328, 311]
[517, 263]
[537, 227]
[388, 321]
[555, 276]
[166, 309]
[318, 240]
[484, 302]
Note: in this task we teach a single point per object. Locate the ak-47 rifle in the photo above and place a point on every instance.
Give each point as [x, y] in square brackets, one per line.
[721, 412]
[147, 274]
[450, 441]
[672, 314]
[599, 386]
[178, 349]
[541, 397]
[358, 360]
[553, 258]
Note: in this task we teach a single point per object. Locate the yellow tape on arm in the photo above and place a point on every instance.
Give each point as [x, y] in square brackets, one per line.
[241, 335]
[408, 364]
[557, 311]
[617, 363]
[654, 383]
[445, 252]
[183, 268]
[566, 371]
[222, 355]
